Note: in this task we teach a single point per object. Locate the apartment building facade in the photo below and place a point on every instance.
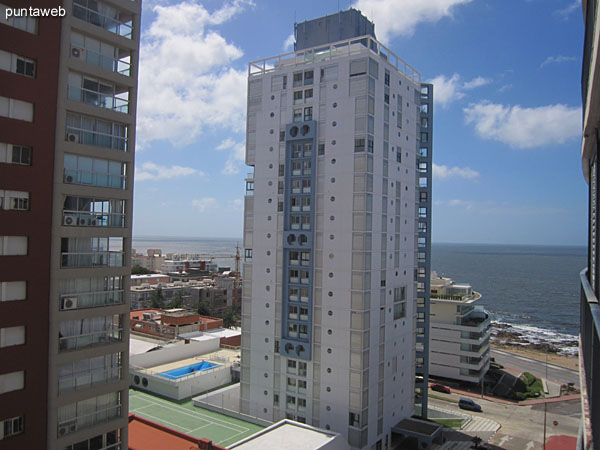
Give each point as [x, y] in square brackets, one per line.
[68, 89]
[460, 332]
[337, 234]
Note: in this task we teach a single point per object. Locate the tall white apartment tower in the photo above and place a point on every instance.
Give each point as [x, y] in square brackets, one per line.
[337, 234]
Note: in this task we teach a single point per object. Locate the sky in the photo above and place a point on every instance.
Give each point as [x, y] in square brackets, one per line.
[507, 111]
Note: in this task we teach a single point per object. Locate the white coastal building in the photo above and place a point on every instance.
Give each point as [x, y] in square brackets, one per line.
[460, 332]
[337, 234]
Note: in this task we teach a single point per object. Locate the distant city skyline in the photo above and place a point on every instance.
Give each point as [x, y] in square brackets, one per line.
[507, 118]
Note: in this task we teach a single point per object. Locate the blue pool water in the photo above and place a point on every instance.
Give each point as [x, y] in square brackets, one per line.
[174, 374]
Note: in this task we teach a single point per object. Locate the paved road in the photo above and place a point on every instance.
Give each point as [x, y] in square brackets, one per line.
[522, 427]
[537, 368]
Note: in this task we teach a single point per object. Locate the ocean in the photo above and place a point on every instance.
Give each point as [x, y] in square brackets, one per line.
[535, 289]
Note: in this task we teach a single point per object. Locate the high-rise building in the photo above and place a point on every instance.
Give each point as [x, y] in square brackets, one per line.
[337, 227]
[68, 88]
[589, 355]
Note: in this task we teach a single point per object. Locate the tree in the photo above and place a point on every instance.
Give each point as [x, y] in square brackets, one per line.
[177, 302]
[230, 320]
[204, 308]
[139, 270]
[157, 299]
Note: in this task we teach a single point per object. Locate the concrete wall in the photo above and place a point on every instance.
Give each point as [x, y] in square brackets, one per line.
[176, 353]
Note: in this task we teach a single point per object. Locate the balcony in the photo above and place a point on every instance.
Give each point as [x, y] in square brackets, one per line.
[109, 100]
[118, 65]
[589, 361]
[100, 179]
[112, 334]
[92, 259]
[86, 219]
[88, 379]
[103, 16]
[91, 299]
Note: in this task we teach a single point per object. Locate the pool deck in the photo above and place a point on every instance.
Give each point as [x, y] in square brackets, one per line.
[189, 419]
[222, 353]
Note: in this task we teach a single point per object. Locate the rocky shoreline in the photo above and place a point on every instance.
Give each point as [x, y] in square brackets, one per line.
[507, 335]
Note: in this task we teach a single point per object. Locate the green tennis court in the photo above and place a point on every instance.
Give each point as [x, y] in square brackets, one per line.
[187, 418]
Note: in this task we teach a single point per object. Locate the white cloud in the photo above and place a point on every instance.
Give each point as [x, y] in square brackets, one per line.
[445, 172]
[447, 90]
[236, 205]
[288, 45]
[186, 79]
[557, 60]
[567, 10]
[237, 154]
[394, 18]
[205, 203]
[152, 171]
[524, 127]
[505, 88]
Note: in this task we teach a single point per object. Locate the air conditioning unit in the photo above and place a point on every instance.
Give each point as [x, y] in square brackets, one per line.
[78, 53]
[69, 179]
[68, 303]
[92, 222]
[66, 428]
[69, 220]
[72, 137]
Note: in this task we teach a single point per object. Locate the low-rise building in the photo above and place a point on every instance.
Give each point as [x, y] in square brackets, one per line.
[152, 260]
[170, 323]
[459, 332]
[151, 279]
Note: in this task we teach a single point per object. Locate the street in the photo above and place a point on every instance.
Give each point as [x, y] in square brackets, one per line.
[538, 368]
[521, 426]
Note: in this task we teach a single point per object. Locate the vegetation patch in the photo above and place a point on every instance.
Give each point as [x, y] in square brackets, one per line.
[528, 386]
[451, 423]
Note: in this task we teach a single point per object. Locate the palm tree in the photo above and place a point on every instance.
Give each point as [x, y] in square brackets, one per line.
[157, 299]
[204, 308]
[230, 320]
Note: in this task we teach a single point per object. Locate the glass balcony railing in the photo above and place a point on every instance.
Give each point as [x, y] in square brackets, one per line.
[590, 362]
[99, 15]
[88, 379]
[92, 259]
[87, 420]
[100, 179]
[90, 299]
[115, 102]
[86, 219]
[111, 335]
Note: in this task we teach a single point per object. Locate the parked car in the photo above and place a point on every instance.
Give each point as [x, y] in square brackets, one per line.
[440, 388]
[467, 403]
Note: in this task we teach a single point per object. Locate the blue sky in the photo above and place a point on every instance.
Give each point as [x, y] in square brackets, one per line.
[507, 125]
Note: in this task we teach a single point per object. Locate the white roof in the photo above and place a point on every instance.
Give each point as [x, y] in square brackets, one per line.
[153, 275]
[287, 435]
[223, 332]
[137, 346]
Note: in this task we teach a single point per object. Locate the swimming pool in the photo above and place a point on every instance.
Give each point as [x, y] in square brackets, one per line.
[174, 374]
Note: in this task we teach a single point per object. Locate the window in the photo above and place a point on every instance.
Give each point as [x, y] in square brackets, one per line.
[308, 77]
[16, 109]
[12, 336]
[92, 252]
[370, 145]
[87, 130]
[424, 137]
[78, 293]
[297, 79]
[399, 302]
[12, 381]
[281, 170]
[19, 154]
[358, 67]
[85, 373]
[102, 441]
[88, 332]
[98, 93]
[424, 108]
[424, 122]
[88, 412]
[399, 156]
[308, 113]
[249, 187]
[329, 73]
[101, 54]
[354, 419]
[29, 24]
[359, 145]
[248, 254]
[14, 200]
[95, 172]
[297, 115]
[13, 290]
[282, 136]
[386, 79]
[13, 245]
[94, 212]
[14, 425]
[25, 66]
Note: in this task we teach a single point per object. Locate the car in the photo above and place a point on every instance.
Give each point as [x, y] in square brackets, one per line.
[440, 388]
[467, 403]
